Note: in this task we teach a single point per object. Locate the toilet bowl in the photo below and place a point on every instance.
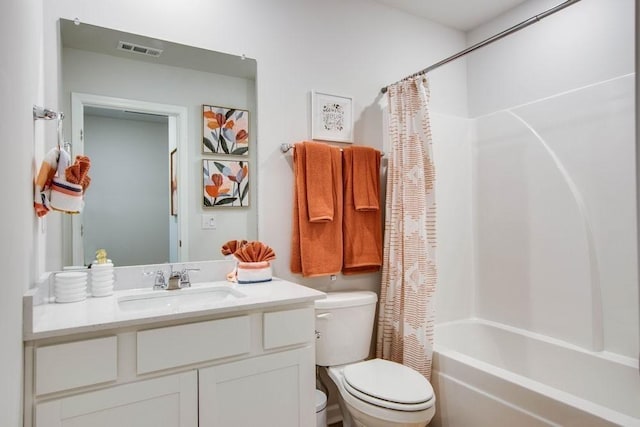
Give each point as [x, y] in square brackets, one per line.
[375, 395]
[372, 393]
[321, 409]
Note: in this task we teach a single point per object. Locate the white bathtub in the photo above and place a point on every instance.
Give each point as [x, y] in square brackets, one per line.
[488, 374]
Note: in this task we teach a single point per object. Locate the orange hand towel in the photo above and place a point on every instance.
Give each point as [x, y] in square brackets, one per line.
[320, 203]
[255, 252]
[366, 178]
[231, 246]
[78, 172]
[362, 229]
[316, 247]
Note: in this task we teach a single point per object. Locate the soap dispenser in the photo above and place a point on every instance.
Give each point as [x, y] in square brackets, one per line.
[101, 275]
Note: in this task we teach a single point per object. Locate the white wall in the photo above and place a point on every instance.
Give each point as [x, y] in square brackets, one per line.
[20, 88]
[90, 72]
[638, 140]
[554, 223]
[352, 48]
[127, 212]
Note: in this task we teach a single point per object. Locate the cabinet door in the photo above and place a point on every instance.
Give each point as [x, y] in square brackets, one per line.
[272, 390]
[169, 401]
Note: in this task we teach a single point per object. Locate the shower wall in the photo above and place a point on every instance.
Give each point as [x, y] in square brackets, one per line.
[553, 155]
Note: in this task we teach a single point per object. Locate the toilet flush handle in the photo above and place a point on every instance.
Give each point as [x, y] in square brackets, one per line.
[321, 316]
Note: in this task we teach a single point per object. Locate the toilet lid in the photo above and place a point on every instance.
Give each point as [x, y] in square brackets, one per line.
[388, 384]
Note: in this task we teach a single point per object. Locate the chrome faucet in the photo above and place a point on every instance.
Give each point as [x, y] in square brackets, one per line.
[177, 279]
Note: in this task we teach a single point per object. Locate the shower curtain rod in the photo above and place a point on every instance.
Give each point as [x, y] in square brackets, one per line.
[490, 40]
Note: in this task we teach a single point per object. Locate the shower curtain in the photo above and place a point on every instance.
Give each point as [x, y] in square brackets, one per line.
[406, 315]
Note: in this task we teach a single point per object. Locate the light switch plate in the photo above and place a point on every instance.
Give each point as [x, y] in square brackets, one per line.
[208, 222]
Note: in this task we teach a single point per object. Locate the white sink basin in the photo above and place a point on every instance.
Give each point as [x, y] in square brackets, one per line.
[200, 297]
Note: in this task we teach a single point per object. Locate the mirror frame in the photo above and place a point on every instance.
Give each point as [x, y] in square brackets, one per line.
[178, 125]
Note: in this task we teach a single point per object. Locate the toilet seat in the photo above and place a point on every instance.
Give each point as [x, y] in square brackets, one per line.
[388, 385]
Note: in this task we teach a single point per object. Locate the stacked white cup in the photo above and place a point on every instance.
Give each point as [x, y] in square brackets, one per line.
[102, 279]
[70, 286]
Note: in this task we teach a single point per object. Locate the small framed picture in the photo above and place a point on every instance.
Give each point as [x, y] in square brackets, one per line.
[225, 131]
[225, 183]
[331, 117]
[173, 185]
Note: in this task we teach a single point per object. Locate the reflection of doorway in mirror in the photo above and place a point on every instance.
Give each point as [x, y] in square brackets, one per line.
[127, 211]
[144, 173]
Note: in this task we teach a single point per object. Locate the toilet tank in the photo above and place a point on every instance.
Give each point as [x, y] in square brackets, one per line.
[344, 322]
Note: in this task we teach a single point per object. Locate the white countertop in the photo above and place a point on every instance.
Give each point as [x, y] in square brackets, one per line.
[96, 314]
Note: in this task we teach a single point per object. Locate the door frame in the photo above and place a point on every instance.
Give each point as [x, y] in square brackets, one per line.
[178, 132]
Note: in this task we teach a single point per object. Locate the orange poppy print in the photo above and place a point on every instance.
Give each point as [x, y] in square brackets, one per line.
[225, 183]
[225, 131]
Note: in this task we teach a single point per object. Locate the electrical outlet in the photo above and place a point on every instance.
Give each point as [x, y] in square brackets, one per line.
[208, 222]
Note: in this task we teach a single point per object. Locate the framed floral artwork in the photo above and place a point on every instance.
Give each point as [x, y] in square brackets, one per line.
[225, 131]
[331, 117]
[173, 185]
[225, 183]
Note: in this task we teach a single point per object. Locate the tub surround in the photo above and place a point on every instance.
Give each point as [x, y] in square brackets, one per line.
[183, 365]
[528, 379]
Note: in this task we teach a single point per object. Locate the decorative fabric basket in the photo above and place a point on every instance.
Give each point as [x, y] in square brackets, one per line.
[254, 272]
[66, 197]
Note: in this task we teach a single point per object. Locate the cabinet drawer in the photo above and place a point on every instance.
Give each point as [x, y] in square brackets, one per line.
[76, 364]
[288, 327]
[174, 346]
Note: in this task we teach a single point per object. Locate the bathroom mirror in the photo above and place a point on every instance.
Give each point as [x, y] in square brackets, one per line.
[136, 109]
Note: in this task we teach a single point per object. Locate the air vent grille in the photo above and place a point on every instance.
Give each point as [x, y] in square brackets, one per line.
[136, 48]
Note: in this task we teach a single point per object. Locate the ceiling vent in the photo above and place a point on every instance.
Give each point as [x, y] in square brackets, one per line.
[136, 48]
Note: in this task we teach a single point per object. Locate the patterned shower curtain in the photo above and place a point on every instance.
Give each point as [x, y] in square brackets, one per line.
[406, 314]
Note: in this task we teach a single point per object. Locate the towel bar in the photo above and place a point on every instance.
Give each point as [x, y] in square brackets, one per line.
[46, 114]
[286, 147]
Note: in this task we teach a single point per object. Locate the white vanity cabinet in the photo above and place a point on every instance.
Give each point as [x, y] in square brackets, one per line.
[167, 401]
[236, 394]
[247, 369]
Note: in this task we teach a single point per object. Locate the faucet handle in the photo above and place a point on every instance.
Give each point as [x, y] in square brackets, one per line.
[159, 281]
[185, 280]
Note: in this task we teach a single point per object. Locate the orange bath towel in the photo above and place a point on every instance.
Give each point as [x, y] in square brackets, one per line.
[316, 248]
[362, 228]
[320, 203]
[366, 184]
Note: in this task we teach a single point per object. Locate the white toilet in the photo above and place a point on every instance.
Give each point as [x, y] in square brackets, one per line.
[373, 393]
